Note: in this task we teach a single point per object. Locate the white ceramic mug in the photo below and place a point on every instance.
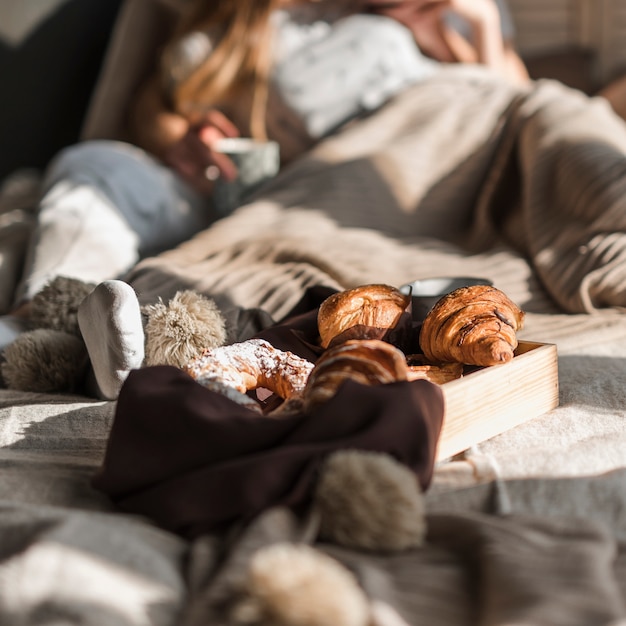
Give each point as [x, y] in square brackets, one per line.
[426, 292]
[257, 162]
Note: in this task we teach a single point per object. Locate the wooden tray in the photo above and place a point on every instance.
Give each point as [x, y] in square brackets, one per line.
[491, 400]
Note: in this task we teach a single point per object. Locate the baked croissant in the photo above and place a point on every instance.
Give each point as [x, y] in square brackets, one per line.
[249, 365]
[439, 373]
[366, 361]
[474, 325]
[369, 307]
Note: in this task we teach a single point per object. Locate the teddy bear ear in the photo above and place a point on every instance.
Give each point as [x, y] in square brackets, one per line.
[367, 500]
[50, 355]
[45, 361]
[56, 305]
[180, 330]
[289, 584]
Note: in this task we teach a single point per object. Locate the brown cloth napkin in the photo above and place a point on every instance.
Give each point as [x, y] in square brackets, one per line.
[194, 461]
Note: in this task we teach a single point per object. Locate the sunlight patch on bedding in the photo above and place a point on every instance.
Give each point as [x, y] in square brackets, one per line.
[59, 578]
[50, 424]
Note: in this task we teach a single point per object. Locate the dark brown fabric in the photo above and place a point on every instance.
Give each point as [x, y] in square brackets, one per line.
[193, 460]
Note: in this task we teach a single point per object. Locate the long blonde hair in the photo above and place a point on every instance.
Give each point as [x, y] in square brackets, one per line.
[238, 66]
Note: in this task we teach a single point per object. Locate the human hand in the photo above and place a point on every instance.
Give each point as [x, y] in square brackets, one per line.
[411, 12]
[425, 18]
[195, 157]
[486, 44]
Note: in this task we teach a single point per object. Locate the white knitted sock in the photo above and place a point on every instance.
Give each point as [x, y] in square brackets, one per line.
[109, 319]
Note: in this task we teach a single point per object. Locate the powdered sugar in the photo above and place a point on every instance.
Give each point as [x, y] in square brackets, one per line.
[250, 364]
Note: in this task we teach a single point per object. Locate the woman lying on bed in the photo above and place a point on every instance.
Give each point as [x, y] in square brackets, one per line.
[569, 138]
[248, 68]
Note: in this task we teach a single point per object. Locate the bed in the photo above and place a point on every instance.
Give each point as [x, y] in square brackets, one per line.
[528, 527]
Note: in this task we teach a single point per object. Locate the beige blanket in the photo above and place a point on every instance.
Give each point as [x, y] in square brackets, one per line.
[461, 159]
[459, 176]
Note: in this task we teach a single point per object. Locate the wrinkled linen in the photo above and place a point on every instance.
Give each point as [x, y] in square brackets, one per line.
[526, 528]
[474, 569]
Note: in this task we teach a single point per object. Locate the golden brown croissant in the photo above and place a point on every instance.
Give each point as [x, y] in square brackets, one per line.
[438, 373]
[368, 307]
[366, 361]
[475, 325]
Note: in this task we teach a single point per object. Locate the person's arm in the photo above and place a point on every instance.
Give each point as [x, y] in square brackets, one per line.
[491, 48]
[154, 127]
[514, 66]
[503, 57]
[425, 18]
[187, 148]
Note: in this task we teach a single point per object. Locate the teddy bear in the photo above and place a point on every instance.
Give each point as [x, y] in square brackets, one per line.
[52, 357]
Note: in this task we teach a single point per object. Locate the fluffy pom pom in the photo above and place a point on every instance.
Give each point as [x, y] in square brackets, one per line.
[179, 331]
[296, 585]
[370, 501]
[56, 305]
[44, 361]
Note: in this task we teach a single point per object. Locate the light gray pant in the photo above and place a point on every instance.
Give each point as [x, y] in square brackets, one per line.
[105, 205]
